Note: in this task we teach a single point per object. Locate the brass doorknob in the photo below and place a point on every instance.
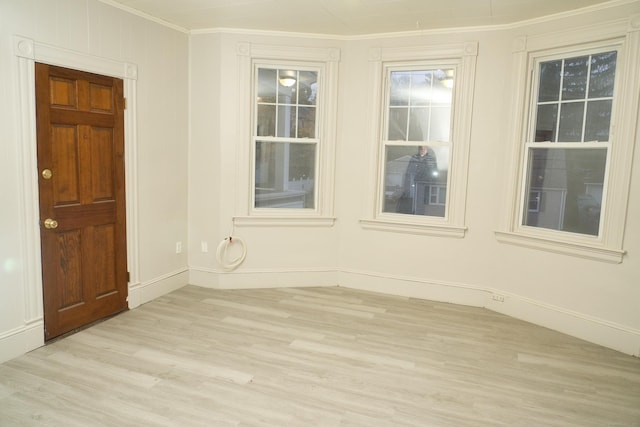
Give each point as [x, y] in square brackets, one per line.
[50, 223]
[47, 174]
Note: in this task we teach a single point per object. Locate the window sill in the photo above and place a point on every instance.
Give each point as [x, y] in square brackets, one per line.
[597, 253]
[283, 221]
[414, 228]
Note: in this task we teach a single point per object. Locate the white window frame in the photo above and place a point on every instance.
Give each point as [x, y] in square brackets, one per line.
[462, 58]
[326, 61]
[621, 35]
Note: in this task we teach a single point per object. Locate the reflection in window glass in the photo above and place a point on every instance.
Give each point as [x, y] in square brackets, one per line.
[603, 70]
[570, 127]
[416, 180]
[570, 182]
[549, 89]
[574, 78]
[598, 121]
[547, 118]
[281, 95]
[284, 175]
[420, 105]
[418, 123]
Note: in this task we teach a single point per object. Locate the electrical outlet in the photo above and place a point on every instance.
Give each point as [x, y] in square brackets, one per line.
[204, 247]
[178, 247]
[497, 297]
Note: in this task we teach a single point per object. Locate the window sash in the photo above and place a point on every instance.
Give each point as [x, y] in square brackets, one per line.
[257, 204]
[385, 143]
[531, 143]
[585, 211]
[534, 101]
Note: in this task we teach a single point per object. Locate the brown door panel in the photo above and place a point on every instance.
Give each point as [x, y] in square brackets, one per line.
[70, 117]
[82, 197]
[81, 216]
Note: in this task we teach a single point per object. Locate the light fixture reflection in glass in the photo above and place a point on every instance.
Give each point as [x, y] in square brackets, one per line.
[447, 81]
[287, 78]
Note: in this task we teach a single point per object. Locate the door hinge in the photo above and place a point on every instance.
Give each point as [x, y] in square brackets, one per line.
[128, 277]
[124, 103]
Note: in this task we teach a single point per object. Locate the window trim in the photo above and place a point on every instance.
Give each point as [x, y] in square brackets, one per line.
[326, 59]
[462, 57]
[608, 246]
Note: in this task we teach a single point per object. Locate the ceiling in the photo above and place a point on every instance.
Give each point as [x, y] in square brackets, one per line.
[348, 17]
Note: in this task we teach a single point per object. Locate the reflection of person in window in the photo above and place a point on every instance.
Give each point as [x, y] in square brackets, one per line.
[422, 168]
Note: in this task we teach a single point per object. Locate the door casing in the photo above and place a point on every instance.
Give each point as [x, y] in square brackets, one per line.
[27, 51]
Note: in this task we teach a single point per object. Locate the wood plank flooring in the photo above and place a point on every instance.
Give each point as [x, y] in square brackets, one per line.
[317, 357]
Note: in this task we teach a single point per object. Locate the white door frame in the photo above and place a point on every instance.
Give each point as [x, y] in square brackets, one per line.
[28, 52]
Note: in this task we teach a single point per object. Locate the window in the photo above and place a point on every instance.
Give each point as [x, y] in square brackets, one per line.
[572, 171]
[417, 140]
[285, 138]
[437, 195]
[535, 197]
[287, 114]
[421, 117]
[568, 144]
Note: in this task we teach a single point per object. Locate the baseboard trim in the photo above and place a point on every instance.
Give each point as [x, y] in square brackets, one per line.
[413, 287]
[589, 328]
[144, 292]
[579, 325]
[262, 278]
[19, 341]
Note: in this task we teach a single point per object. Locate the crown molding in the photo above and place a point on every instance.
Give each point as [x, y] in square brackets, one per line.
[343, 37]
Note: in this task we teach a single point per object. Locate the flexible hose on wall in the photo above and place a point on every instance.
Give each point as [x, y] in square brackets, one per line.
[221, 253]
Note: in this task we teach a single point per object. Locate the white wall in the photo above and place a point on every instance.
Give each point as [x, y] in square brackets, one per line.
[593, 300]
[160, 53]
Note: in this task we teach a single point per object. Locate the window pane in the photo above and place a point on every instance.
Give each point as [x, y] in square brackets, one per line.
[308, 87]
[603, 71]
[306, 122]
[440, 124]
[266, 120]
[284, 175]
[400, 88]
[443, 91]
[546, 122]
[286, 121]
[549, 89]
[416, 180]
[421, 87]
[398, 124]
[534, 200]
[287, 95]
[568, 184]
[571, 116]
[267, 85]
[598, 121]
[419, 124]
[574, 84]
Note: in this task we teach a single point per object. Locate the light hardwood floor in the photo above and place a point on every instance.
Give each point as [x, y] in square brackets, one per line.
[317, 357]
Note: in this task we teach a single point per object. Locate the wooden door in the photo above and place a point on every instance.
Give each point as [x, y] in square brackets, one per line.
[80, 124]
